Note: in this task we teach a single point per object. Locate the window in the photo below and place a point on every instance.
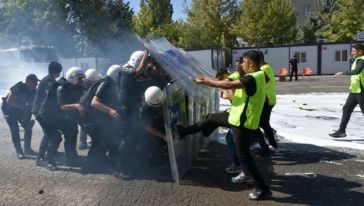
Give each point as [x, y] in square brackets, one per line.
[301, 57]
[298, 56]
[337, 56]
[344, 56]
[341, 55]
[84, 65]
[306, 10]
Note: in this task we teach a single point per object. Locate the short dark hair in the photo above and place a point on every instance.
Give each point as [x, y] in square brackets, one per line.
[241, 59]
[358, 47]
[31, 77]
[261, 56]
[54, 67]
[254, 56]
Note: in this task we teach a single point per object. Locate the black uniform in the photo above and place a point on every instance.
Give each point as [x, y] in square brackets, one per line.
[105, 131]
[152, 116]
[294, 69]
[83, 134]
[42, 91]
[69, 94]
[49, 116]
[14, 115]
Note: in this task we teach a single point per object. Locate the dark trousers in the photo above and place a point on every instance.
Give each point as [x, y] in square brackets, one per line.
[242, 141]
[12, 121]
[130, 130]
[106, 137]
[50, 141]
[83, 137]
[45, 139]
[265, 125]
[69, 130]
[231, 146]
[210, 123]
[295, 72]
[350, 104]
[97, 151]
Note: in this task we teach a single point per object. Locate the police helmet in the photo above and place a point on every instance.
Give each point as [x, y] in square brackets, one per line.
[113, 71]
[154, 96]
[73, 74]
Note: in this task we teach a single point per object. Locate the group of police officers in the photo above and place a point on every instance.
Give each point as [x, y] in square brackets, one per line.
[112, 110]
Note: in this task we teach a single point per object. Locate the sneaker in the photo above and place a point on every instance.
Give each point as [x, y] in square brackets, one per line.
[233, 169]
[338, 134]
[181, 134]
[272, 149]
[121, 175]
[29, 152]
[20, 155]
[242, 178]
[72, 162]
[263, 153]
[259, 194]
[40, 162]
[52, 166]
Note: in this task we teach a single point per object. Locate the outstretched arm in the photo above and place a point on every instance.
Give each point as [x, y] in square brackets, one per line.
[223, 84]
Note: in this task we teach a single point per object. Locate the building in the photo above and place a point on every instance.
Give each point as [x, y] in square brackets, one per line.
[304, 8]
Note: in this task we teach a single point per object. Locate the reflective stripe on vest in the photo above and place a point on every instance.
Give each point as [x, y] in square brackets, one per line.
[271, 84]
[252, 106]
[357, 80]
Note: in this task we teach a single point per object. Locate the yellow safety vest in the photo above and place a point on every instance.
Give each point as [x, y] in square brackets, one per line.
[252, 106]
[234, 76]
[271, 84]
[357, 80]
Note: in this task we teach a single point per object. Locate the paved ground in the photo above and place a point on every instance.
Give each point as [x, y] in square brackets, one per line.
[298, 174]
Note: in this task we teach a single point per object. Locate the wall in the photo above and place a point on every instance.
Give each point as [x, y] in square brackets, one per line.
[203, 56]
[311, 57]
[329, 65]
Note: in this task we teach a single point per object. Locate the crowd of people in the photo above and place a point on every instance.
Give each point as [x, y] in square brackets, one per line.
[113, 110]
[252, 93]
[118, 112]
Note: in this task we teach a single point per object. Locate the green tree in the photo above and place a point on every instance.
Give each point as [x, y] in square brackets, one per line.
[42, 22]
[318, 20]
[347, 21]
[98, 23]
[153, 14]
[267, 22]
[173, 32]
[209, 23]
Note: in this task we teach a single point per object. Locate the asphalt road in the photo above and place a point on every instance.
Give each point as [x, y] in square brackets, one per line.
[298, 174]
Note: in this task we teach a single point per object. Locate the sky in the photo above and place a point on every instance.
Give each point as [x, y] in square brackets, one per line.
[178, 8]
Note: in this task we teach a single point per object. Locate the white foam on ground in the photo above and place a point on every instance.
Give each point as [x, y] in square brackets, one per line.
[309, 118]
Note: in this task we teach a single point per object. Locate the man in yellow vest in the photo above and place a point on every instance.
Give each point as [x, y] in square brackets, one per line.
[356, 95]
[270, 101]
[243, 117]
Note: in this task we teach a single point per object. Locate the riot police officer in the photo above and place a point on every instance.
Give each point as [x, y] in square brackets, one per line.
[68, 96]
[16, 108]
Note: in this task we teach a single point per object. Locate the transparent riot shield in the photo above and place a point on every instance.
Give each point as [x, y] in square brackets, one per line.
[186, 102]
